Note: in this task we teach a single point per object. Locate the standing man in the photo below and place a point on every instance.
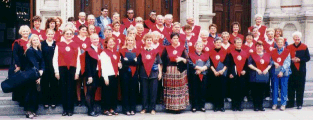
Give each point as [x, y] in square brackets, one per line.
[81, 20]
[103, 20]
[262, 28]
[130, 20]
[159, 26]
[299, 53]
[195, 28]
[91, 21]
[168, 22]
[151, 21]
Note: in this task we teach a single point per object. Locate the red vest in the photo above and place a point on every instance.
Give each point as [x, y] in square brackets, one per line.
[115, 59]
[262, 30]
[207, 47]
[21, 42]
[217, 57]
[292, 49]
[261, 62]
[135, 50]
[68, 54]
[191, 43]
[165, 33]
[83, 46]
[148, 58]
[119, 40]
[127, 23]
[232, 38]
[239, 59]
[280, 58]
[173, 53]
[248, 49]
[149, 23]
[79, 24]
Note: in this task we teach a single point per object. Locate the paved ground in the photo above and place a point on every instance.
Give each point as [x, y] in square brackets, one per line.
[290, 114]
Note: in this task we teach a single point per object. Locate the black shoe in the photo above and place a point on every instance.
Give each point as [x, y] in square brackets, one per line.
[234, 109]
[53, 106]
[70, 113]
[215, 109]
[203, 109]
[46, 106]
[92, 114]
[79, 103]
[240, 109]
[256, 109]
[64, 114]
[262, 109]
[299, 107]
[222, 109]
[193, 110]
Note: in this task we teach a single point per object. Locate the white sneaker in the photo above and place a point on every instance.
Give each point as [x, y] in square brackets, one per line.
[283, 107]
[267, 98]
[274, 107]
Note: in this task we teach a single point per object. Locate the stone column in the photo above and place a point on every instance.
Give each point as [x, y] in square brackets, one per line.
[272, 8]
[205, 13]
[307, 12]
[257, 7]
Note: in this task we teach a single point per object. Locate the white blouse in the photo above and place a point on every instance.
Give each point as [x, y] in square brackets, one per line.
[55, 60]
[106, 66]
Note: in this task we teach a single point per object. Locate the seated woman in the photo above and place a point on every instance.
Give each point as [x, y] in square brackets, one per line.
[282, 60]
[33, 59]
[199, 64]
[259, 62]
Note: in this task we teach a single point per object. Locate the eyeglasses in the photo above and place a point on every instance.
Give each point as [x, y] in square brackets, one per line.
[130, 13]
[139, 21]
[68, 33]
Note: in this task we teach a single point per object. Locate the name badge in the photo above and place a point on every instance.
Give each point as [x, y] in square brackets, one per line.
[278, 59]
[175, 52]
[239, 57]
[217, 57]
[148, 57]
[67, 48]
[262, 61]
[84, 45]
[114, 56]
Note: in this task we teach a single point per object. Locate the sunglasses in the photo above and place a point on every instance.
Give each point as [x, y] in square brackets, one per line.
[130, 13]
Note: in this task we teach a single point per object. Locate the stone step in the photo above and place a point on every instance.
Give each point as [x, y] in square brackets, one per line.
[7, 101]
[9, 110]
[308, 94]
[309, 86]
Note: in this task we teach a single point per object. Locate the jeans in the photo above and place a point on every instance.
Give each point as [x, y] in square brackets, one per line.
[283, 82]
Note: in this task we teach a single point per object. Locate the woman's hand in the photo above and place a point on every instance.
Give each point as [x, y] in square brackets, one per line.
[258, 71]
[280, 74]
[76, 77]
[40, 72]
[160, 76]
[265, 72]
[216, 73]
[135, 59]
[17, 68]
[221, 72]
[120, 65]
[276, 65]
[106, 82]
[198, 72]
[243, 72]
[38, 81]
[57, 76]
[231, 76]
[178, 59]
[125, 58]
[89, 80]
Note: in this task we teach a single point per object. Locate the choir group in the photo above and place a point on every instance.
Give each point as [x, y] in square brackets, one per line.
[156, 59]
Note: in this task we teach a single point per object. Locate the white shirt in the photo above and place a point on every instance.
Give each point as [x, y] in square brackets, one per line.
[81, 38]
[161, 29]
[49, 43]
[116, 33]
[256, 38]
[81, 22]
[105, 21]
[249, 44]
[106, 66]
[270, 41]
[55, 61]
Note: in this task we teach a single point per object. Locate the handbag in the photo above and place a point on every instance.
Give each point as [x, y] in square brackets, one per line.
[19, 79]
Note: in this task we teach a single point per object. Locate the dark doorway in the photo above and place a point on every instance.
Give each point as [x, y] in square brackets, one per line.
[229, 11]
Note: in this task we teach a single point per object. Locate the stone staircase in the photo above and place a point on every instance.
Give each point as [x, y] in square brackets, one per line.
[9, 107]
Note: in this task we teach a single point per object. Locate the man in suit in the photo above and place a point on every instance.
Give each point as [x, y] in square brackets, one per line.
[149, 23]
[82, 20]
[103, 20]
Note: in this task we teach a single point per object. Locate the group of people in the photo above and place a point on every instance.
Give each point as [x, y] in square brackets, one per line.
[156, 56]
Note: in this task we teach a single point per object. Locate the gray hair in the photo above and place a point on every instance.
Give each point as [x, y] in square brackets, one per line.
[204, 32]
[107, 28]
[258, 15]
[297, 33]
[168, 16]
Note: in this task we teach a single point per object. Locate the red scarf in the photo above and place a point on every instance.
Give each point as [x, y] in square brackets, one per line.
[148, 58]
[68, 52]
[95, 55]
[239, 59]
[115, 59]
[261, 62]
[280, 58]
[195, 57]
[174, 53]
[20, 42]
[217, 57]
[135, 50]
[293, 50]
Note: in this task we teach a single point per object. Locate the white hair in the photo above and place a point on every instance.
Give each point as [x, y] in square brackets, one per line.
[139, 25]
[138, 18]
[189, 18]
[258, 15]
[69, 24]
[159, 16]
[156, 33]
[168, 16]
[297, 33]
[82, 14]
[23, 27]
[91, 17]
[132, 28]
[204, 32]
